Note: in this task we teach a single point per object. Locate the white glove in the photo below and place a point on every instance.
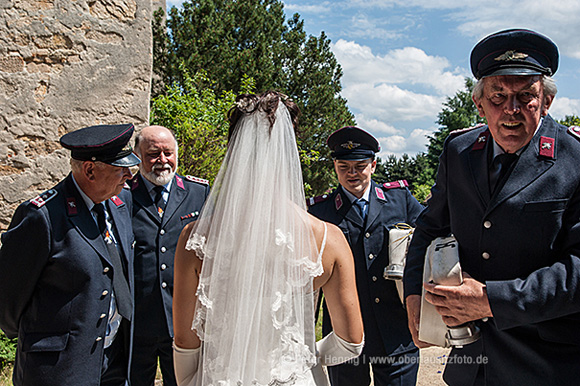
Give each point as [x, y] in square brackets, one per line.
[185, 362]
[320, 377]
[332, 350]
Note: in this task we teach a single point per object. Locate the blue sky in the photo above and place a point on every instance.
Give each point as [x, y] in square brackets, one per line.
[402, 58]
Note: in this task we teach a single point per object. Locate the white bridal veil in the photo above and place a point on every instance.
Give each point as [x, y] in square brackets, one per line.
[254, 312]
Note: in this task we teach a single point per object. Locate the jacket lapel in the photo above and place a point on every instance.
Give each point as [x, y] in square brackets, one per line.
[121, 220]
[142, 198]
[176, 197]
[477, 158]
[82, 219]
[376, 201]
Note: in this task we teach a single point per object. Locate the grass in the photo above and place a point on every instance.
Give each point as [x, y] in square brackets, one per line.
[6, 376]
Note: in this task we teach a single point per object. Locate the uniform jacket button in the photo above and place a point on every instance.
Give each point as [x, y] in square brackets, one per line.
[163, 249]
[367, 235]
[374, 278]
[163, 267]
[105, 293]
[164, 285]
[371, 256]
[102, 316]
[377, 300]
[106, 269]
[487, 224]
[99, 338]
[162, 232]
[485, 255]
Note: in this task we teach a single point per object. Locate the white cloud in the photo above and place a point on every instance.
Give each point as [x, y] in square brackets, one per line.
[398, 145]
[407, 65]
[375, 126]
[389, 103]
[563, 106]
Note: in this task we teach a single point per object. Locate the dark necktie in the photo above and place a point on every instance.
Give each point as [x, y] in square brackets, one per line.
[360, 204]
[159, 201]
[500, 167]
[120, 286]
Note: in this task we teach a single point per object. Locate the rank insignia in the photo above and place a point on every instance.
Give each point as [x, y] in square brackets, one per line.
[338, 201]
[396, 184]
[547, 147]
[197, 179]
[179, 182]
[315, 200]
[71, 206]
[117, 201]
[575, 131]
[43, 198]
[380, 194]
[481, 141]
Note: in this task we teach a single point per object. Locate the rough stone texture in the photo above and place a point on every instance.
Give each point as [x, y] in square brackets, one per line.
[64, 65]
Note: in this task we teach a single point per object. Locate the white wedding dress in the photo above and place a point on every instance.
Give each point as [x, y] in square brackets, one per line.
[255, 302]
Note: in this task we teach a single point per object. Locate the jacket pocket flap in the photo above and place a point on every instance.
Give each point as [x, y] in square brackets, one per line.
[545, 206]
[40, 342]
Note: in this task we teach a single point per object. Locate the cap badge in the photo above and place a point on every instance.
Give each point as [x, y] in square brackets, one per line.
[350, 145]
[511, 55]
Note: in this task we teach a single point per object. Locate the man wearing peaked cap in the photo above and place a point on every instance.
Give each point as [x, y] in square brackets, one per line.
[508, 192]
[66, 269]
[366, 211]
[163, 203]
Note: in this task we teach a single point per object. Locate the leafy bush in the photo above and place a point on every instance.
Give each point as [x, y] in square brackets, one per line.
[7, 351]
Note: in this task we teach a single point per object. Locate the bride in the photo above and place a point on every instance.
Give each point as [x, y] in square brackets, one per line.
[247, 272]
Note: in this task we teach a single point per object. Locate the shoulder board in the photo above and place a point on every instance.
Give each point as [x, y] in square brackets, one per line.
[575, 131]
[40, 200]
[396, 184]
[315, 200]
[197, 179]
[466, 130]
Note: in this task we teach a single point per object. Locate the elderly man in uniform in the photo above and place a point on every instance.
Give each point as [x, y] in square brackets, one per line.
[509, 193]
[66, 269]
[366, 212]
[163, 203]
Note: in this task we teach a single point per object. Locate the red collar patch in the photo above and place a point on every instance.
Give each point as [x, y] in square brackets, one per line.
[117, 201]
[481, 141]
[547, 147]
[380, 194]
[135, 184]
[71, 206]
[179, 182]
[338, 201]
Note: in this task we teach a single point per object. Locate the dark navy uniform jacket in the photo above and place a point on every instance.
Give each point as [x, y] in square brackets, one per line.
[156, 239]
[523, 243]
[384, 318]
[55, 286]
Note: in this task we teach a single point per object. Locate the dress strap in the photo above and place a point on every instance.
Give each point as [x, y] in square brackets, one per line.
[323, 242]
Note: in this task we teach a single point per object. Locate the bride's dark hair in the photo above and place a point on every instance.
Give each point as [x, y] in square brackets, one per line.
[247, 104]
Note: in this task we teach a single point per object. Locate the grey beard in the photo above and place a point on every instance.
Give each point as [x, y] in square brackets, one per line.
[158, 179]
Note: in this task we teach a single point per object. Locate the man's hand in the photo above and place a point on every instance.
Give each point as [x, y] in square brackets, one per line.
[413, 303]
[459, 304]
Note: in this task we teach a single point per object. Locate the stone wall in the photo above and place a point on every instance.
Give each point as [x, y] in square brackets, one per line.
[64, 65]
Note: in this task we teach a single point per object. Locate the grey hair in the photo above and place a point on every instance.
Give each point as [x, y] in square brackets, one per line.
[550, 88]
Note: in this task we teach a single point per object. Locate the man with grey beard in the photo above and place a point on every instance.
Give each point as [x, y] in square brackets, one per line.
[163, 203]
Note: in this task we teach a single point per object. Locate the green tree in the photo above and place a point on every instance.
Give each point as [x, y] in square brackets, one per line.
[199, 118]
[570, 120]
[230, 39]
[459, 113]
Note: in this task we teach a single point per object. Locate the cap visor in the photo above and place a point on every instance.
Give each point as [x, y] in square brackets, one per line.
[514, 71]
[127, 161]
